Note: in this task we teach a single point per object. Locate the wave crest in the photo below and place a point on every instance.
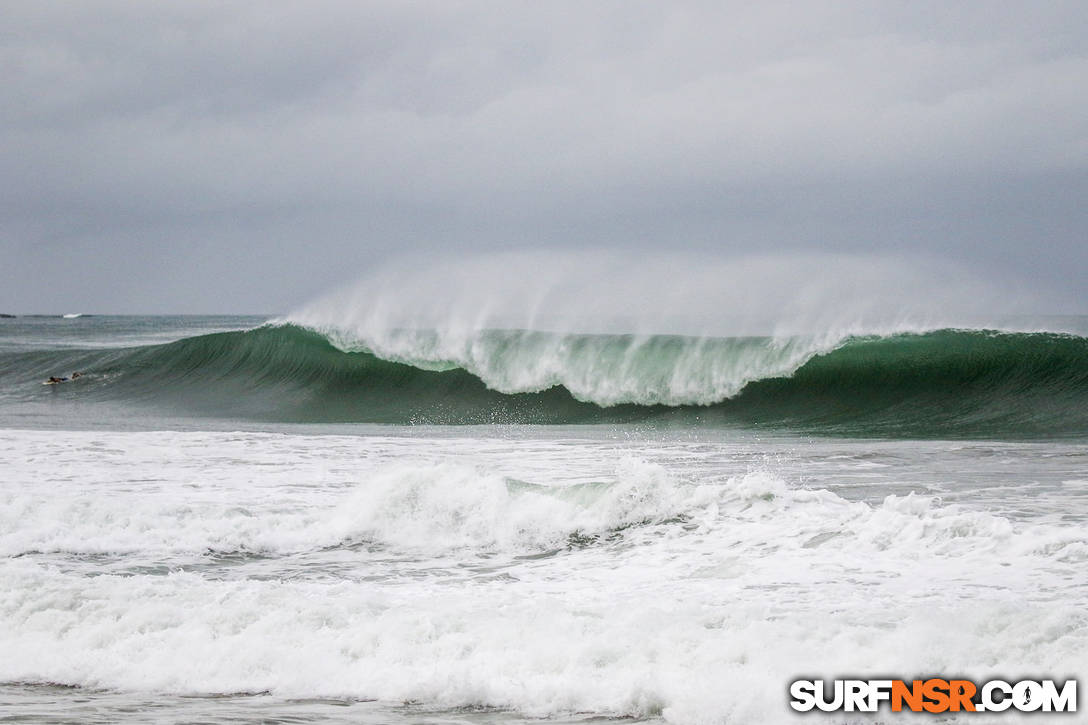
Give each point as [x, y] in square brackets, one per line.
[959, 383]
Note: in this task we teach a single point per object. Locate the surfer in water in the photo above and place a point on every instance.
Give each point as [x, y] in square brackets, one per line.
[53, 379]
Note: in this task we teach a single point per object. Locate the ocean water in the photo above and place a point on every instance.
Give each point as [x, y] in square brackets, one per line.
[231, 520]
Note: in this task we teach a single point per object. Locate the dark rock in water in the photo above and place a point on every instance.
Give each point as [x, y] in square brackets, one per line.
[6, 317]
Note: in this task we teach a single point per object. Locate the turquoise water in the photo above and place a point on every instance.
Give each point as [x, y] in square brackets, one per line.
[935, 384]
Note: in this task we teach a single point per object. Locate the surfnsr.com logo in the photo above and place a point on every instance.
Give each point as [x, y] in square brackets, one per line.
[933, 695]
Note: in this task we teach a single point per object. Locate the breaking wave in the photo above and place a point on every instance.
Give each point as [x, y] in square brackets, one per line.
[949, 382]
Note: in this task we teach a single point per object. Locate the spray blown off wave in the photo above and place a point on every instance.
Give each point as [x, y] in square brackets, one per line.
[944, 383]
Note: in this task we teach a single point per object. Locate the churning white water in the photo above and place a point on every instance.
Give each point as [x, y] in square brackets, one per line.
[451, 575]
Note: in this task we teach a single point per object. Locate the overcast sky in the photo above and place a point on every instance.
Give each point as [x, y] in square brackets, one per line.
[246, 157]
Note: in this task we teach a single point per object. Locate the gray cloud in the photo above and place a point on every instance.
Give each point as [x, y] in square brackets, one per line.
[246, 156]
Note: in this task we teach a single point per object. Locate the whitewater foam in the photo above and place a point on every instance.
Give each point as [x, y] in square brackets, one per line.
[549, 576]
[602, 369]
[428, 508]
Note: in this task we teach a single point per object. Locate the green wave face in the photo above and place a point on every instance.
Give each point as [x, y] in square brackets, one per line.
[948, 383]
